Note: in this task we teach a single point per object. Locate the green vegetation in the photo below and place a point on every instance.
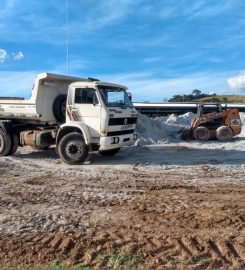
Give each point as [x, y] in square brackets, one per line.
[198, 96]
[115, 261]
[119, 261]
[223, 99]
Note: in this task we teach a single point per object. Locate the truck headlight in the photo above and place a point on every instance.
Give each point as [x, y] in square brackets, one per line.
[115, 140]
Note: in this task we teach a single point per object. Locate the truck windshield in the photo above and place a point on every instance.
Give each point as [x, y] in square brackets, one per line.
[115, 97]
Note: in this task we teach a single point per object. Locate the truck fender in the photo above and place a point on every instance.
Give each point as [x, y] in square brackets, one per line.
[67, 128]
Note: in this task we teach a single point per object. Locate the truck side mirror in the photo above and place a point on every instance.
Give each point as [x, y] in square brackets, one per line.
[129, 96]
[95, 100]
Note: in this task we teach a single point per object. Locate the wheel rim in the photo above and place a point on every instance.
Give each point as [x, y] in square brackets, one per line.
[201, 134]
[224, 133]
[74, 150]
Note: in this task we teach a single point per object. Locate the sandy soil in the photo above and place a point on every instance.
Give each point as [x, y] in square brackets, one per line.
[175, 206]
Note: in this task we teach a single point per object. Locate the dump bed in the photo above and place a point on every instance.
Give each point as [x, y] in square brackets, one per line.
[39, 108]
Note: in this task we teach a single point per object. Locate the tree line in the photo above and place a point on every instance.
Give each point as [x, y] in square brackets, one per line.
[196, 94]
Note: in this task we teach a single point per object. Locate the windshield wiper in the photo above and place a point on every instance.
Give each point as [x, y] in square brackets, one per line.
[116, 104]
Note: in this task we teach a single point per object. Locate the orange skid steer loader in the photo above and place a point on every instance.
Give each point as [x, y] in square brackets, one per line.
[222, 123]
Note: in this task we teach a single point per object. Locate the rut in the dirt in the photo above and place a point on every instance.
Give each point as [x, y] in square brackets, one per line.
[193, 252]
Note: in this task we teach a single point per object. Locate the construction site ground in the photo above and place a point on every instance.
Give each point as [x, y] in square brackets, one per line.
[170, 206]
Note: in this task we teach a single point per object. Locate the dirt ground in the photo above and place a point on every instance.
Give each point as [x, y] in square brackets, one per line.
[169, 207]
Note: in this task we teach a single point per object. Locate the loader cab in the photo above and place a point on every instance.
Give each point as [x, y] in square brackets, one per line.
[208, 108]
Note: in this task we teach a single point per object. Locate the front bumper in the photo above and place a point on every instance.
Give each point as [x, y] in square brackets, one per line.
[112, 142]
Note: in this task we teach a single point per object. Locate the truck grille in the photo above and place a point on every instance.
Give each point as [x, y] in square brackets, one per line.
[121, 132]
[122, 121]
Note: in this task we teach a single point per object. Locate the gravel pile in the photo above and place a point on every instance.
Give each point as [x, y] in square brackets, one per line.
[162, 129]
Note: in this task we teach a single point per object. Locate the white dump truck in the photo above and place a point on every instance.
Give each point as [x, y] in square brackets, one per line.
[76, 115]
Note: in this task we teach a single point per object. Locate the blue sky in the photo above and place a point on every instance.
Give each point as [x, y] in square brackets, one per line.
[157, 48]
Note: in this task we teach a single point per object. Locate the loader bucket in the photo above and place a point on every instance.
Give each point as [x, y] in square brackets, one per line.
[185, 134]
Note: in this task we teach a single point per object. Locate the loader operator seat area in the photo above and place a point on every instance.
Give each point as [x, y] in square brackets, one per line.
[84, 95]
[202, 110]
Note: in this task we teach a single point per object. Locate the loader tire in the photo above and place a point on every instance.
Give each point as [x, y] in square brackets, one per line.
[72, 149]
[14, 144]
[201, 134]
[110, 152]
[59, 108]
[5, 144]
[224, 133]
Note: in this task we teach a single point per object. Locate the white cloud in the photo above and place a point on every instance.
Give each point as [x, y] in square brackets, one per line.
[237, 82]
[18, 56]
[3, 55]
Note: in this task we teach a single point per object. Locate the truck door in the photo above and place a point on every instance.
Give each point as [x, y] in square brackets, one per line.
[87, 109]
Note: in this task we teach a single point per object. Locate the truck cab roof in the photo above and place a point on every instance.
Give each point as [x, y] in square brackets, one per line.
[96, 83]
[74, 81]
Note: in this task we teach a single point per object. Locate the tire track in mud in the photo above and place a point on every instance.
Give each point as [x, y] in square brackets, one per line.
[191, 252]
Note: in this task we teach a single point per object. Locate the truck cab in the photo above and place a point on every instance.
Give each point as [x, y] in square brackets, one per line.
[104, 115]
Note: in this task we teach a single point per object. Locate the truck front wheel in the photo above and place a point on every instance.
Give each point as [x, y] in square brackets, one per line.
[5, 144]
[72, 149]
[110, 152]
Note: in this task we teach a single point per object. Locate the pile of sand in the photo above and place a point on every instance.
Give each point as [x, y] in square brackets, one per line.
[161, 129]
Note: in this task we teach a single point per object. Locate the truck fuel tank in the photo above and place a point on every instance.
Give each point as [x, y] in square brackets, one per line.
[37, 138]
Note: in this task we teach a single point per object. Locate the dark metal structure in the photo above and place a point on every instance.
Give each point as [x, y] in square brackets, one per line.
[161, 109]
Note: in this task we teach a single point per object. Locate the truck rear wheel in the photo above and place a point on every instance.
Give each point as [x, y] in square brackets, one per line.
[5, 144]
[224, 133]
[110, 152]
[201, 134]
[72, 149]
[14, 144]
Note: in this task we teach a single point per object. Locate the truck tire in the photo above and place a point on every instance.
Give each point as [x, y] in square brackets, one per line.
[110, 152]
[5, 144]
[14, 144]
[59, 108]
[201, 134]
[224, 133]
[72, 149]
